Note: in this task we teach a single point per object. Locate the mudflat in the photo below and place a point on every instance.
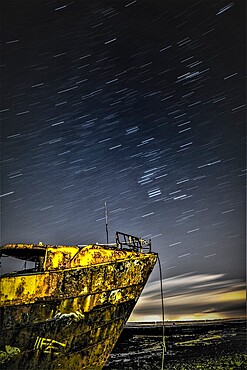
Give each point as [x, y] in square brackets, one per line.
[193, 345]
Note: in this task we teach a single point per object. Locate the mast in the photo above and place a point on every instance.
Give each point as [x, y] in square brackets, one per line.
[106, 223]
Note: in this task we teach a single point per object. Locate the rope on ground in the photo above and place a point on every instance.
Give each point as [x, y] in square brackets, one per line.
[163, 317]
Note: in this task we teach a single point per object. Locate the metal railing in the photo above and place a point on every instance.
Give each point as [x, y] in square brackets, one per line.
[126, 241]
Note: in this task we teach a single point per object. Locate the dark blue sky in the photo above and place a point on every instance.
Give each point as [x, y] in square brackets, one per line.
[140, 104]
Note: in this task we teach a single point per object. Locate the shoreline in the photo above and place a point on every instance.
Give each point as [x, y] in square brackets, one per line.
[183, 322]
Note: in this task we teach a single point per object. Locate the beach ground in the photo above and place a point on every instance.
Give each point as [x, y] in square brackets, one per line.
[200, 346]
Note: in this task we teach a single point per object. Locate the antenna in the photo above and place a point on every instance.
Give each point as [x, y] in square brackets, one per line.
[106, 223]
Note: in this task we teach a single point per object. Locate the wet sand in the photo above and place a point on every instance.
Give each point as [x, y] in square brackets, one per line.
[202, 346]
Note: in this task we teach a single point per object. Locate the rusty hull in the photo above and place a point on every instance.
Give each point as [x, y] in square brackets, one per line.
[69, 314]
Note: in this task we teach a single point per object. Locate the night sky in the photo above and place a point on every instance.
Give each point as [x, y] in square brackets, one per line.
[140, 104]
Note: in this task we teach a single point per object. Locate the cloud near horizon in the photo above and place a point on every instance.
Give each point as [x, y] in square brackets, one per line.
[192, 296]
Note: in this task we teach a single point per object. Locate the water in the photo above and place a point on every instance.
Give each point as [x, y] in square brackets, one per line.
[192, 346]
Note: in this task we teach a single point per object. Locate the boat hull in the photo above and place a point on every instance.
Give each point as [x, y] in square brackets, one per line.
[69, 319]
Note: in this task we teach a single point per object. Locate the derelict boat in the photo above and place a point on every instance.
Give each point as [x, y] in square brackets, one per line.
[69, 310]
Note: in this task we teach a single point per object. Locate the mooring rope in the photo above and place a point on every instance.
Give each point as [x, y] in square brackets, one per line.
[163, 318]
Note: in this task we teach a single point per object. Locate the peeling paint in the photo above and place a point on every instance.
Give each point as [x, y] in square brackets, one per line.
[8, 353]
[70, 310]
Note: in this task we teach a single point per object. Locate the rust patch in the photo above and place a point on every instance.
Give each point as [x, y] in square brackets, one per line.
[71, 315]
[19, 290]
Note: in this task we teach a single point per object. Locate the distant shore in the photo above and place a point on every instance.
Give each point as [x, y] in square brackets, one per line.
[183, 322]
[181, 326]
[159, 324]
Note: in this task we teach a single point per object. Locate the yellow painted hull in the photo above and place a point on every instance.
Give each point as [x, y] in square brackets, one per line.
[69, 318]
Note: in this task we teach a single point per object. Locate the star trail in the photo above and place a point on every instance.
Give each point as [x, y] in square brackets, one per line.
[140, 104]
